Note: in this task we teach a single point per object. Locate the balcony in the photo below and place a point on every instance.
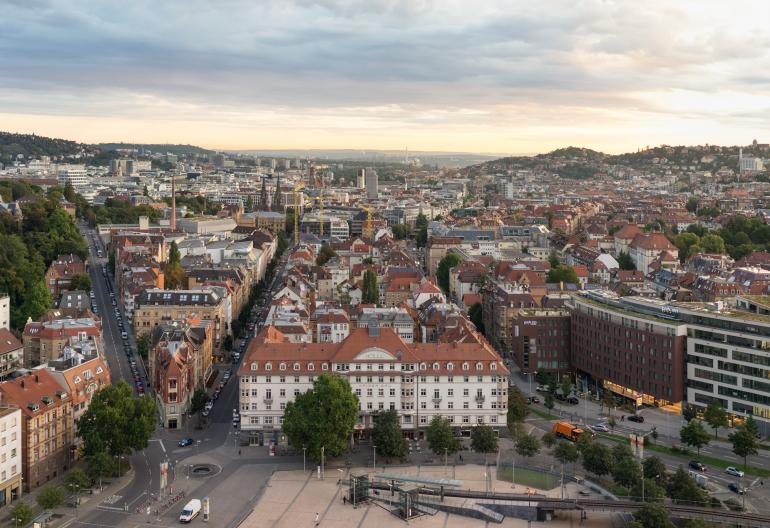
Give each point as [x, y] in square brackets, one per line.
[480, 398]
[437, 400]
[268, 401]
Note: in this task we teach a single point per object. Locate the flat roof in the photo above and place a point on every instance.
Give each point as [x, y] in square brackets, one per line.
[421, 480]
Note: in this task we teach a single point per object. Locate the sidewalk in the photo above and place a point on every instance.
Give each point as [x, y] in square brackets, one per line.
[64, 515]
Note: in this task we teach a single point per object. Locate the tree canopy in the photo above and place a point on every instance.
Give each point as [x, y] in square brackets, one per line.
[400, 231]
[440, 437]
[80, 281]
[476, 315]
[387, 435]
[693, 434]
[449, 261]
[716, 416]
[173, 273]
[421, 229]
[325, 254]
[483, 439]
[370, 293]
[116, 422]
[562, 273]
[322, 417]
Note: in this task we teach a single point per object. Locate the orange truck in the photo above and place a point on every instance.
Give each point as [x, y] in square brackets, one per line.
[567, 430]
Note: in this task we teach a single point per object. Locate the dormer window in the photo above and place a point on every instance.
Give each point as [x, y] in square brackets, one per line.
[253, 366]
[268, 366]
[296, 366]
[450, 366]
[324, 366]
[479, 366]
[466, 366]
[423, 366]
[282, 366]
[310, 366]
[493, 366]
[436, 366]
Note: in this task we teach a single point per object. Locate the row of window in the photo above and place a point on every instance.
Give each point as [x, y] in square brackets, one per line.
[369, 366]
[381, 379]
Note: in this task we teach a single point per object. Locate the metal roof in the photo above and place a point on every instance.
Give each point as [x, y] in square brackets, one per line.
[421, 480]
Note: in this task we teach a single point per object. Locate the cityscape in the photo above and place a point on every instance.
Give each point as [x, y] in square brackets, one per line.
[345, 264]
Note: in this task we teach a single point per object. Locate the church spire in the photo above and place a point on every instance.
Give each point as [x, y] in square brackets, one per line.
[277, 200]
[263, 206]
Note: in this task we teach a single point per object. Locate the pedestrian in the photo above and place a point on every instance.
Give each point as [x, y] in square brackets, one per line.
[344, 499]
[239, 452]
[317, 519]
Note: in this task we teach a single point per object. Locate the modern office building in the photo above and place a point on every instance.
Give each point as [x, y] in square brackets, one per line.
[372, 184]
[540, 340]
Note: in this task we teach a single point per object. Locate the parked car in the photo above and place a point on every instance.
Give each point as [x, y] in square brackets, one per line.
[735, 472]
[572, 400]
[601, 427]
[636, 418]
[184, 442]
[735, 488]
[534, 399]
[541, 388]
[698, 466]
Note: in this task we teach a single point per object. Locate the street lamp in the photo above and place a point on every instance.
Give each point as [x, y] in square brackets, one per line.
[446, 450]
[374, 457]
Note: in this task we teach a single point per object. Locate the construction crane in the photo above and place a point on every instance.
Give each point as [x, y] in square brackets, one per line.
[297, 194]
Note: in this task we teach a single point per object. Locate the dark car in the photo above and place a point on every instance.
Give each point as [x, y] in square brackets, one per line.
[636, 418]
[735, 488]
[572, 400]
[697, 466]
[534, 399]
[184, 442]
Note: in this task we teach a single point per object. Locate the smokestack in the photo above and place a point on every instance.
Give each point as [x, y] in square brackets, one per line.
[173, 203]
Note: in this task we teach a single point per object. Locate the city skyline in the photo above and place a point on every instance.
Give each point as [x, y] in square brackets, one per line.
[496, 77]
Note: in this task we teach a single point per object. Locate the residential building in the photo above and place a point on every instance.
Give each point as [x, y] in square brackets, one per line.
[465, 382]
[11, 353]
[5, 312]
[47, 426]
[45, 340]
[10, 454]
[60, 273]
[156, 307]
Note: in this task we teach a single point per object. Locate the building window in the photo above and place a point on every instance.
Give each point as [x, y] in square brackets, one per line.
[466, 419]
[296, 366]
[465, 366]
[282, 366]
[268, 366]
[450, 366]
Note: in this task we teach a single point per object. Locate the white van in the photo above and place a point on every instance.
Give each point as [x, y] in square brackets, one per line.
[124, 335]
[190, 511]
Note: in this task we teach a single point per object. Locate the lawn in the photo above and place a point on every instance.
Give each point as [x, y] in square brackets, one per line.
[543, 414]
[530, 478]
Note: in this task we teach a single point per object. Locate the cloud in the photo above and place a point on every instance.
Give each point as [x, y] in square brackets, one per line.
[479, 72]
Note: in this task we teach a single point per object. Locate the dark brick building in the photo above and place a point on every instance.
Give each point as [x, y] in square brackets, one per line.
[622, 346]
[540, 340]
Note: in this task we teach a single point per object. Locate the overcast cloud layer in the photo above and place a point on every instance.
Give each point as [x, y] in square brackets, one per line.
[466, 75]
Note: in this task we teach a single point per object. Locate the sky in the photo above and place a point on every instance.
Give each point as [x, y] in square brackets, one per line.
[489, 76]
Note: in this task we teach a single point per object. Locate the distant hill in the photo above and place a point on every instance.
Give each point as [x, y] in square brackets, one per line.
[180, 150]
[31, 145]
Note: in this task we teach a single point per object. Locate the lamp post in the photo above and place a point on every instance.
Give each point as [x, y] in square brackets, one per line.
[304, 450]
[374, 458]
[323, 448]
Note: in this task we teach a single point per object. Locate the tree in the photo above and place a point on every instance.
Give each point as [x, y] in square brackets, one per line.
[612, 422]
[715, 416]
[751, 425]
[712, 243]
[483, 439]
[322, 417]
[651, 490]
[449, 261]
[548, 401]
[476, 315]
[50, 497]
[440, 437]
[421, 229]
[553, 259]
[325, 254]
[37, 301]
[77, 480]
[563, 273]
[142, 344]
[653, 515]
[692, 204]
[693, 434]
[116, 422]
[689, 413]
[608, 400]
[684, 490]
[625, 261]
[683, 242]
[400, 231]
[626, 472]
[517, 406]
[199, 400]
[653, 468]
[548, 439]
[370, 293]
[173, 274]
[80, 282]
[387, 435]
[597, 459]
[566, 452]
[566, 385]
[527, 445]
[100, 465]
[745, 443]
[22, 514]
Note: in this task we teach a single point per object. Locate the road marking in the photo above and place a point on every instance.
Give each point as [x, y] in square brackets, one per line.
[162, 446]
[112, 499]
